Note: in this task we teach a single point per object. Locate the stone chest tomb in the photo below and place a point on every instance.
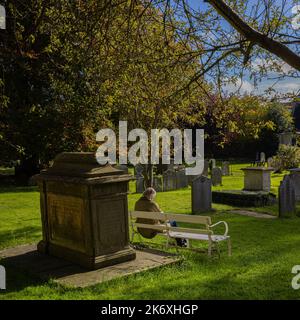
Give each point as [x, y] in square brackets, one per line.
[84, 211]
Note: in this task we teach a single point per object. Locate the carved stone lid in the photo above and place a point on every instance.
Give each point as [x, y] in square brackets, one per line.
[82, 165]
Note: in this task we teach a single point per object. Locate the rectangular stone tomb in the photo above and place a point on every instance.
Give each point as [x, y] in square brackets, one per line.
[84, 211]
[243, 198]
[257, 178]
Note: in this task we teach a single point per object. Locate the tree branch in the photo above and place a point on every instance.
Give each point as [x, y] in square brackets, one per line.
[269, 44]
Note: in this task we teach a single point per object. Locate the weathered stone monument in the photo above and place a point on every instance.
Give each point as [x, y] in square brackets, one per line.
[181, 179]
[257, 178]
[84, 211]
[169, 180]
[201, 195]
[216, 176]
[212, 164]
[295, 177]
[225, 168]
[286, 138]
[287, 198]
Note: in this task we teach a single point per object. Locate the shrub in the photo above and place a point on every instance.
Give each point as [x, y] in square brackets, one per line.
[287, 157]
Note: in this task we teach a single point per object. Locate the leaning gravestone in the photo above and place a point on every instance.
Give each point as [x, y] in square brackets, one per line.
[157, 183]
[225, 168]
[201, 195]
[84, 211]
[181, 179]
[287, 198]
[140, 188]
[169, 180]
[216, 176]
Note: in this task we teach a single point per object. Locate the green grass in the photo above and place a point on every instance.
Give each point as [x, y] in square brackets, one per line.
[264, 252]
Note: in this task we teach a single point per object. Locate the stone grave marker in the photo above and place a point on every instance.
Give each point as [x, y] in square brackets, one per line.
[225, 168]
[138, 170]
[201, 195]
[212, 163]
[216, 176]
[287, 197]
[169, 180]
[181, 179]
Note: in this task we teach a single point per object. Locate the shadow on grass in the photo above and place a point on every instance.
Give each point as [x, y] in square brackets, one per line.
[14, 189]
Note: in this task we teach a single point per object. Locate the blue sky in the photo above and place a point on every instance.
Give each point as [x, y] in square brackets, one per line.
[286, 85]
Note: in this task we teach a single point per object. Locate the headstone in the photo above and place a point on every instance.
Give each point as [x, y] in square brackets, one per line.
[212, 163]
[169, 180]
[287, 198]
[257, 178]
[201, 195]
[216, 176]
[158, 183]
[225, 168]
[286, 138]
[295, 177]
[84, 211]
[140, 188]
[181, 179]
[138, 170]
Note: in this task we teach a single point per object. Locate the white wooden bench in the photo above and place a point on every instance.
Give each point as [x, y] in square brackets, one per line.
[203, 233]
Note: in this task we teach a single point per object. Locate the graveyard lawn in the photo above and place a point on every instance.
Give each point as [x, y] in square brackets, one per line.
[264, 252]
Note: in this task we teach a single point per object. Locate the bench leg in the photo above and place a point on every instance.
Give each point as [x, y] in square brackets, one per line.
[229, 247]
[209, 248]
[188, 245]
[218, 249]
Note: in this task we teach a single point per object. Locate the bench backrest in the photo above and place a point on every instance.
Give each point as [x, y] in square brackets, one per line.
[204, 221]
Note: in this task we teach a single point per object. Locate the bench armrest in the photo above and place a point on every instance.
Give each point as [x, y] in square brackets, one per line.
[223, 222]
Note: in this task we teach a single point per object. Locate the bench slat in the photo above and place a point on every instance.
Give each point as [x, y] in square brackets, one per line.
[195, 236]
[148, 215]
[190, 230]
[159, 227]
[189, 218]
